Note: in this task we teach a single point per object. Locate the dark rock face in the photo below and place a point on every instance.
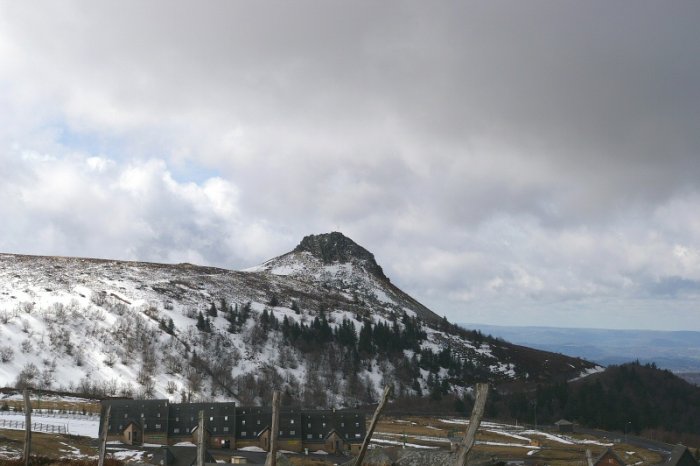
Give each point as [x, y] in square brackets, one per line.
[336, 247]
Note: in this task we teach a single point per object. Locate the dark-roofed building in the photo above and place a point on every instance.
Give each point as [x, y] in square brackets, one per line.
[608, 458]
[681, 456]
[564, 426]
[136, 422]
[219, 422]
[333, 430]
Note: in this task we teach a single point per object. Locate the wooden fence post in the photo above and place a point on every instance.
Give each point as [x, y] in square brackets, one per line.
[372, 425]
[200, 440]
[27, 427]
[482, 392]
[274, 430]
[103, 439]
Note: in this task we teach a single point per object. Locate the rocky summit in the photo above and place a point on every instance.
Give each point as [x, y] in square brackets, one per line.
[321, 322]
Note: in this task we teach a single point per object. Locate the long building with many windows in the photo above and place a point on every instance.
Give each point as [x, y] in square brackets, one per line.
[136, 422]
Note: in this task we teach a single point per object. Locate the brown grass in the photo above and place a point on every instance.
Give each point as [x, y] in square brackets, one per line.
[47, 445]
[46, 461]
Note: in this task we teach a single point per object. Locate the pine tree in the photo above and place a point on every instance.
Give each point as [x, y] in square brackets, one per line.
[201, 324]
[212, 312]
[364, 344]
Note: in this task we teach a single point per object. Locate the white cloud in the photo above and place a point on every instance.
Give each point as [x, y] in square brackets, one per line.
[494, 159]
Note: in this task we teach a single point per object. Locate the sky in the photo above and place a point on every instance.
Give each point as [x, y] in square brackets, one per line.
[507, 162]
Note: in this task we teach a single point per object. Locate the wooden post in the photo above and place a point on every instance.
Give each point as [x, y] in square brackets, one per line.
[201, 448]
[274, 430]
[482, 392]
[372, 425]
[103, 439]
[27, 427]
[589, 457]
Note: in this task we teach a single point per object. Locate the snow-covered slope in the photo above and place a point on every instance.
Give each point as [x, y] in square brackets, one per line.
[185, 331]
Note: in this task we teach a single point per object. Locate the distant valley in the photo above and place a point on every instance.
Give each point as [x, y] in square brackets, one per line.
[678, 351]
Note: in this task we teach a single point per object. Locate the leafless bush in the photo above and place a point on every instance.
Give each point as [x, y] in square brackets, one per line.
[99, 298]
[110, 359]
[26, 346]
[6, 353]
[27, 307]
[27, 377]
[26, 327]
[171, 387]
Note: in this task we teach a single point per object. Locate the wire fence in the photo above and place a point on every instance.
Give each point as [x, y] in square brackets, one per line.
[36, 426]
[54, 414]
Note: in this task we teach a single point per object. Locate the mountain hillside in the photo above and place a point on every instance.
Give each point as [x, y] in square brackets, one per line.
[322, 322]
[630, 397]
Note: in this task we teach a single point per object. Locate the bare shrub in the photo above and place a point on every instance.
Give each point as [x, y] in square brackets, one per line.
[26, 346]
[6, 353]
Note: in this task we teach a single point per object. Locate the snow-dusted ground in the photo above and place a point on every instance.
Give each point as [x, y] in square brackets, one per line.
[87, 427]
[84, 325]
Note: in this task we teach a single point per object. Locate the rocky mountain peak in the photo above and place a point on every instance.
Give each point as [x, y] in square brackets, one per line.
[336, 247]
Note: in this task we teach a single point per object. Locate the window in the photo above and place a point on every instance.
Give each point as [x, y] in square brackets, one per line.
[177, 419]
[291, 421]
[309, 436]
[281, 433]
[157, 426]
[143, 415]
[243, 422]
[357, 424]
[244, 433]
[176, 431]
[126, 415]
[292, 432]
[158, 415]
[145, 426]
[309, 425]
[225, 418]
[226, 429]
[320, 435]
[214, 429]
[120, 427]
[258, 421]
[342, 424]
[358, 435]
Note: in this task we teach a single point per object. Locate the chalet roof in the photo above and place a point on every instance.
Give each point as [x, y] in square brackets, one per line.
[333, 431]
[262, 431]
[611, 452]
[194, 429]
[132, 421]
[563, 422]
[677, 454]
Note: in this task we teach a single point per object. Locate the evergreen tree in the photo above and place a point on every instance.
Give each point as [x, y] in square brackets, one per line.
[201, 324]
[364, 344]
[212, 312]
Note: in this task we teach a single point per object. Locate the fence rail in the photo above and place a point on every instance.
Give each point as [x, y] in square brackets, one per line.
[36, 426]
[54, 414]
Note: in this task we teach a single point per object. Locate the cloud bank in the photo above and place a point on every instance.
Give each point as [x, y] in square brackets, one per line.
[507, 163]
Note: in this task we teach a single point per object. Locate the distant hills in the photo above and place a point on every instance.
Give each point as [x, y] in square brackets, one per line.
[678, 352]
[629, 397]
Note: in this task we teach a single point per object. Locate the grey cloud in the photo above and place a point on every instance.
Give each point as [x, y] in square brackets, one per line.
[505, 146]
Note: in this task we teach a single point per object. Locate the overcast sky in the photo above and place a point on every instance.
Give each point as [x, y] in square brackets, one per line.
[506, 162]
